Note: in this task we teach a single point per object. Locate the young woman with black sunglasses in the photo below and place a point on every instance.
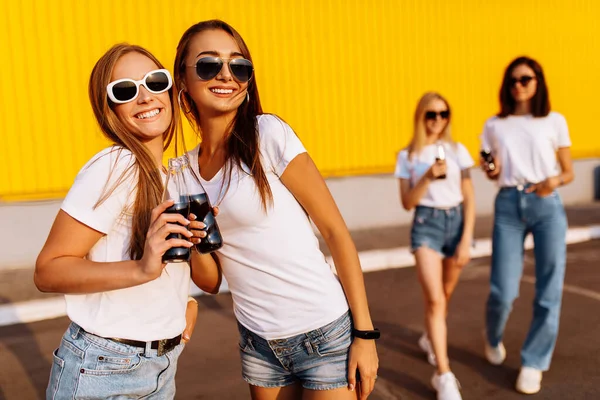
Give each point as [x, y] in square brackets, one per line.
[130, 313]
[530, 146]
[433, 175]
[297, 336]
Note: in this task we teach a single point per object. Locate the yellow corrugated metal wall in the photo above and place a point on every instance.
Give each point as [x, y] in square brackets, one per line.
[345, 74]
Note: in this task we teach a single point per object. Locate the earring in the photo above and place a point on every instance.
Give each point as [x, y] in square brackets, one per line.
[247, 97]
[181, 103]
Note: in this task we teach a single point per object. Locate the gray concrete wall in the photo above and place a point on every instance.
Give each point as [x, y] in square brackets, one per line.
[365, 202]
[372, 201]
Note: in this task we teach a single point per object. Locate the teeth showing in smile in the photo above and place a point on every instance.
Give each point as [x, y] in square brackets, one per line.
[222, 91]
[148, 114]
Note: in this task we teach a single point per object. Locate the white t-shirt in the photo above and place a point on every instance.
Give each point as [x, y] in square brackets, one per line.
[441, 193]
[151, 311]
[526, 146]
[279, 280]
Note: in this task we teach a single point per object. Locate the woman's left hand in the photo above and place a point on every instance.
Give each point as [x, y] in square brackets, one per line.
[191, 314]
[463, 253]
[544, 188]
[363, 357]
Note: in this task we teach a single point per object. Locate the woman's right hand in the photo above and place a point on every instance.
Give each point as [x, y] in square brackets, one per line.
[161, 225]
[437, 169]
[491, 173]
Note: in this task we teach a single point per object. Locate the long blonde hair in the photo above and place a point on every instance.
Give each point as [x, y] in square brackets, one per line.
[149, 181]
[419, 131]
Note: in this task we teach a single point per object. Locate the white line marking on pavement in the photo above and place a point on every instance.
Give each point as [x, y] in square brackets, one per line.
[372, 260]
[569, 289]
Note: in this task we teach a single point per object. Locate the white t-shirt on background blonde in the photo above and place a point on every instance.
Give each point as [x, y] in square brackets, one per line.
[526, 146]
[151, 311]
[441, 193]
[278, 277]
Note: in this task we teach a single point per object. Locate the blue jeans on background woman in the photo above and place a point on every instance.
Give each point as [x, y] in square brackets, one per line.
[518, 213]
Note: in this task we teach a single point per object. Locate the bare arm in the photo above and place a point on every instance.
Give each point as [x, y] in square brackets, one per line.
[303, 179]
[468, 205]
[411, 196]
[566, 176]
[206, 271]
[61, 266]
[566, 166]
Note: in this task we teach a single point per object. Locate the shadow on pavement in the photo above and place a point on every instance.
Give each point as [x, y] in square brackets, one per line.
[20, 350]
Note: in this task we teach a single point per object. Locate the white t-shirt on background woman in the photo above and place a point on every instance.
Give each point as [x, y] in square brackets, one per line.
[441, 193]
[526, 146]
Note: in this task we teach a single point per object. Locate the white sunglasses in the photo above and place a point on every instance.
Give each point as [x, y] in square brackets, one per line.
[126, 90]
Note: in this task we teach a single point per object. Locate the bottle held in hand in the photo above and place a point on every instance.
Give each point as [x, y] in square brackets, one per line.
[488, 159]
[440, 156]
[200, 206]
[175, 189]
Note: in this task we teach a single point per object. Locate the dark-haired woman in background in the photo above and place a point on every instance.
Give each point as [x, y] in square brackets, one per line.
[532, 158]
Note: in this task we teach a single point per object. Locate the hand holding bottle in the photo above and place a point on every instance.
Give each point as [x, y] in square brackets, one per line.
[159, 240]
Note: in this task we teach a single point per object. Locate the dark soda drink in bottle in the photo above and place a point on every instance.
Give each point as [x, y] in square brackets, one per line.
[488, 159]
[177, 254]
[175, 189]
[200, 207]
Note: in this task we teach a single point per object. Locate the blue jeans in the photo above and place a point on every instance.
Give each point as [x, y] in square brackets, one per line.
[317, 359]
[516, 214]
[87, 366]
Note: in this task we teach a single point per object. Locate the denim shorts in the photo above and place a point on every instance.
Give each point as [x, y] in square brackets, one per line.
[317, 359]
[87, 366]
[439, 229]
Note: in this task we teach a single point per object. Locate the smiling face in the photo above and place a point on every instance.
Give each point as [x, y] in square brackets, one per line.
[222, 94]
[148, 115]
[435, 126]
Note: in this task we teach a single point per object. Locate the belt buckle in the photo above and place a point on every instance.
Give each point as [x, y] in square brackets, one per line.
[162, 349]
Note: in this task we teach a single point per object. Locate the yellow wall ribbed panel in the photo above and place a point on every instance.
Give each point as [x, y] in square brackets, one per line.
[345, 74]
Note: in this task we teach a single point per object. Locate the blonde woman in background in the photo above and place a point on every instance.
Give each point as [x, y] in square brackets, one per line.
[433, 173]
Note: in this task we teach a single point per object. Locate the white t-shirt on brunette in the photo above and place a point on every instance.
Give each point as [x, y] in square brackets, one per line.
[526, 146]
[151, 311]
[441, 193]
[279, 280]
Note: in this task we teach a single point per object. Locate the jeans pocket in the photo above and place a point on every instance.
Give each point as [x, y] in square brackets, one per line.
[58, 365]
[422, 214]
[335, 346]
[245, 342]
[101, 360]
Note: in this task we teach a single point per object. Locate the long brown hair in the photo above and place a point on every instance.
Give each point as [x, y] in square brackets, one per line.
[540, 102]
[419, 131]
[149, 187]
[242, 145]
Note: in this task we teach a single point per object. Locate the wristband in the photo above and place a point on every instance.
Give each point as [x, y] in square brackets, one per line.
[369, 335]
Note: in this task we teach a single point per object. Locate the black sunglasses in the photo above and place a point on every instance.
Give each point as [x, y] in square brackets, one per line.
[209, 67]
[524, 80]
[432, 115]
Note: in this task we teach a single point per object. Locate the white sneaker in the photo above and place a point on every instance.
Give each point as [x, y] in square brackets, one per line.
[529, 380]
[494, 355]
[447, 386]
[426, 346]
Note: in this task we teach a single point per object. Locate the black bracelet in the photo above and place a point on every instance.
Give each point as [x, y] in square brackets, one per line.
[369, 335]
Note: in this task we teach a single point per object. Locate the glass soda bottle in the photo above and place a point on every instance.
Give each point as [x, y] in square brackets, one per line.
[176, 189]
[200, 206]
[440, 156]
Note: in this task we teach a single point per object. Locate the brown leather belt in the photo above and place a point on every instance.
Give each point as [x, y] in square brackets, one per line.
[162, 346]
